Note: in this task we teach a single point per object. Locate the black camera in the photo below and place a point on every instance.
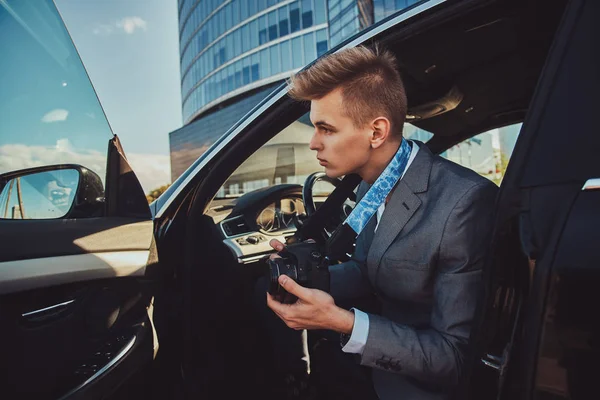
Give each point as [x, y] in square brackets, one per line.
[303, 262]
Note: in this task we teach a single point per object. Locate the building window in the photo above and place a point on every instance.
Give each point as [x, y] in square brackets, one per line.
[309, 47]
[255, 70]
[252, 7]
[246, 71]
[275, 60]
[223, 85]
[244, 10]
[320, 15]
[229, 46]
[262, 29]
[254, 34]
[307, 14]
[237, 42]
[236, 11]
[264, 64]
[245, 38]
[295, 17]
[297, 52]
[238, 74]
[283, 21]
[230, 82]
[273, 22]
[286, 59]
[321, 42]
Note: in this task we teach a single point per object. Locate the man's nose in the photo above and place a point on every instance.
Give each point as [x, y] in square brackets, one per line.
[314, 143]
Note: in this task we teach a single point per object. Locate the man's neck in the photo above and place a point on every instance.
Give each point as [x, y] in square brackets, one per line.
[380, 159]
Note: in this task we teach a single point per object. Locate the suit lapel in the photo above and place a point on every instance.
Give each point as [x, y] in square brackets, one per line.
[402, 206]
[369, 231]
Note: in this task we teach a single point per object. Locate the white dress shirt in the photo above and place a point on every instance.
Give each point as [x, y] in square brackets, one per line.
[360, 330]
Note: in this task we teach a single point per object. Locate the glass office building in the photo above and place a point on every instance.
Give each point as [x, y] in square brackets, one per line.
[384, 8]
[233, 52]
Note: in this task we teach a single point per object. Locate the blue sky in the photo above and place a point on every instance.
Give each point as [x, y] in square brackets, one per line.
[130, 51]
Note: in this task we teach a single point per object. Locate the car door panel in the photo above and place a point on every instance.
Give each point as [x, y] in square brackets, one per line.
[542, 206]
[566, 367]
[61, 337]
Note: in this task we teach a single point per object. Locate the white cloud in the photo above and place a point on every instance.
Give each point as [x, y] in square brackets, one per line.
[129, 25]
[55, 116]
[152, 170]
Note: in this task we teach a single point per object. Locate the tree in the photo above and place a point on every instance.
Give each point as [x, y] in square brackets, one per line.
[501, 165]
[155, 194]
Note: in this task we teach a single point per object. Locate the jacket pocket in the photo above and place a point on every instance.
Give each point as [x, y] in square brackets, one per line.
[405, 280]
[393, 262]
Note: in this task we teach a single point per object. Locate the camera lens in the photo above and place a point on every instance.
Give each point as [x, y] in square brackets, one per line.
[278, 267]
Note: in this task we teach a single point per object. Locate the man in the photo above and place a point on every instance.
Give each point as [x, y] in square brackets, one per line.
[423, 251]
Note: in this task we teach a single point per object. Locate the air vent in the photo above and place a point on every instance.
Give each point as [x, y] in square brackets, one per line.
[235, 226]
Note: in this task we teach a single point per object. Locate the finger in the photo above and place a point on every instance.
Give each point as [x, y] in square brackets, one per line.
[292, 287]
[274, 305]
[276, 244]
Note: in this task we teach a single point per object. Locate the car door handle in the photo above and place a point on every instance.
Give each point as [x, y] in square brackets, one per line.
[42, 312]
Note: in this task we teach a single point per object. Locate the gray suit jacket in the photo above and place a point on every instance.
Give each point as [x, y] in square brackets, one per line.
[424, 265]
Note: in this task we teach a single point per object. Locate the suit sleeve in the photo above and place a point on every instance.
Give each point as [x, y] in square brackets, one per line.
[436, 353]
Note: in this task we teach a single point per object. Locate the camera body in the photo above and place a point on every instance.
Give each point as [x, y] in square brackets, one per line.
[305, 263]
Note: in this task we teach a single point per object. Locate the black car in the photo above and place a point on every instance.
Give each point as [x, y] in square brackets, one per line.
[103, 296]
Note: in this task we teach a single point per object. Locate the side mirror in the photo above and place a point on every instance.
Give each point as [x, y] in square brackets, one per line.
[51, 192]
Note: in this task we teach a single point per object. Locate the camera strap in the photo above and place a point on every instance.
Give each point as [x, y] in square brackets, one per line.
[368, 205]
[377, 193]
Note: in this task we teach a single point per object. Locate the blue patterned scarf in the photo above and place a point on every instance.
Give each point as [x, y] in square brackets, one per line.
[375, 196]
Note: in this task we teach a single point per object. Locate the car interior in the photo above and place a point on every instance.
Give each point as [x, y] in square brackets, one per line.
[466, 70]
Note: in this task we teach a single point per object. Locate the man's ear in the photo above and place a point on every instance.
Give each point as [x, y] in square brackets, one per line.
[380, 127]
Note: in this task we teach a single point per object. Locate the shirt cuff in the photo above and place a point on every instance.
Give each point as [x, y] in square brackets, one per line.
[360, 331]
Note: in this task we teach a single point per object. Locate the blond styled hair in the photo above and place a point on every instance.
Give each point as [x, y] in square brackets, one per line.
[369, 81]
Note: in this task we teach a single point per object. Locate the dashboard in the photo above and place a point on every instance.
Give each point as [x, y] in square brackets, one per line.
[280, 215]
[249, 222]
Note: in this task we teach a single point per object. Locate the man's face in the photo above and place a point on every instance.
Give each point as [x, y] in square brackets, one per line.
[341, 147]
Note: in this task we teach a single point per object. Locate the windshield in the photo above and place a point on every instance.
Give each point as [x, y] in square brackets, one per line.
[49, 112]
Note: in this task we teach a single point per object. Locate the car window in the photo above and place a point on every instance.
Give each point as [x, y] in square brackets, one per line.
[286, 158]
[487, 153]
[49, 112]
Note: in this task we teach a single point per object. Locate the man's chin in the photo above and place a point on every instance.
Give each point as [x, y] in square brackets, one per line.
[332, 173]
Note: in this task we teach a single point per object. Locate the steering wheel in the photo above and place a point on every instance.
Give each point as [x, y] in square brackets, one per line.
[309, 202]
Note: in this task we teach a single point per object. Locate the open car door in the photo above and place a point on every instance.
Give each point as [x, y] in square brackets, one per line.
[77, 252]
[539, 336]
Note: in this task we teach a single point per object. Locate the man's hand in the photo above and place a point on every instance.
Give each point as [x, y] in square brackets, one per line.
[277, 245]
[314, 309]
